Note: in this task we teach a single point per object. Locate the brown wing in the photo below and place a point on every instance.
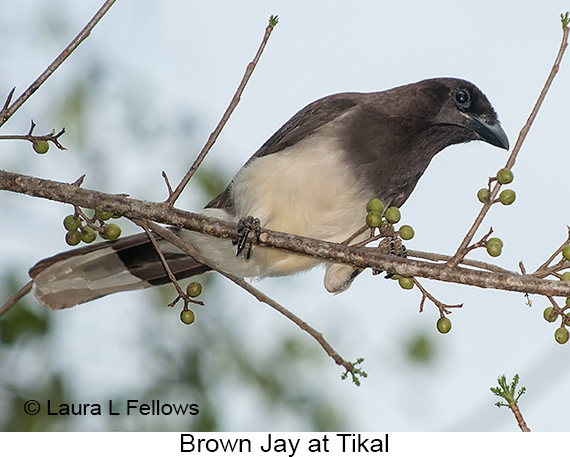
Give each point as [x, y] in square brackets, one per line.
[296, 129]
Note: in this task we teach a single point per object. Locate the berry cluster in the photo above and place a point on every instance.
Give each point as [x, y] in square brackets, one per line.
[82, 228]
[193, 290]
[506, 197]
[377, 218]
[561, 335]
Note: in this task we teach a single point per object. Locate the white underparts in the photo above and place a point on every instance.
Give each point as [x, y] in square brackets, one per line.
[306, 190]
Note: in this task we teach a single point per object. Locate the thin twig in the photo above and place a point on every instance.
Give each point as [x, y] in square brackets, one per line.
[171, 276]
[53, 137]
[519, 418]
[223, 121]
[553, 270]
[167, 182]
[172, 238]
[462, 249]
[318, 336]
[356, 234]
[436, 257]
[544, 267]
[8, 99]
[440, 305]
[15, 298]
[559, 311]
[8, 111]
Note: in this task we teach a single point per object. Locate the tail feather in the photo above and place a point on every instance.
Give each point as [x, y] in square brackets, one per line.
[91, 272]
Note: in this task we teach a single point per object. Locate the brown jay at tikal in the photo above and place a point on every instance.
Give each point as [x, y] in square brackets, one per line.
[312, 178]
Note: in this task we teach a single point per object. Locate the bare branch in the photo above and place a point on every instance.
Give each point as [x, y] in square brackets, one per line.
[443, 308]
[334, 252]
[173, 280]
[318, 336]
[8, 111]
[167, 182]
[435, 257]
[544, 269]
[171, 237]
[8, 99]
[223, 121]
[53, 137]
[14, 298]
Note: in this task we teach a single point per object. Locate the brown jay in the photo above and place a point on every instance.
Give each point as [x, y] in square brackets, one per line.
[313, 178]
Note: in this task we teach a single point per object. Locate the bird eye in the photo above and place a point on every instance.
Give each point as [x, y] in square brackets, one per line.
[462, 98]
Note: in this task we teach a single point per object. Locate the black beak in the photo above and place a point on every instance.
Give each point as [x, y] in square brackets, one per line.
[490, 133]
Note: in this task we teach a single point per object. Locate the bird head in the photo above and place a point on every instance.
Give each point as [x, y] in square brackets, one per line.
[465, 109]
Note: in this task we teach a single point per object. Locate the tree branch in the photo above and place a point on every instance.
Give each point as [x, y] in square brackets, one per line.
[13, 299]
[53, 137]
[173, 196]
[8, 111]
[358, 257]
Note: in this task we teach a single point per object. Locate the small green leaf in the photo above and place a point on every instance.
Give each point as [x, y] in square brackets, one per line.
[565, 19]
[356, 373]
[507, 391]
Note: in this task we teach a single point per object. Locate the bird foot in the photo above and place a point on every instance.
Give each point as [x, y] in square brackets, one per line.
[392, 246]
[246, 225]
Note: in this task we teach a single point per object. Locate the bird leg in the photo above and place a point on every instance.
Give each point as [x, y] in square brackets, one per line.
[246, 225]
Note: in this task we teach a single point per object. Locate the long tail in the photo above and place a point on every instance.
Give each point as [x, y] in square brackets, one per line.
[91, 272]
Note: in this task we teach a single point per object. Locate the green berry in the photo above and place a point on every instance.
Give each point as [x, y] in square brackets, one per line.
[406, 283]
[103, 215]
[495, 239]
[41, 146]
[396, 276]
[375, 205]
[548, 315]
[393, 214]
[566, 252]
[507, 197]
[187, 316]
[88, 235]
[73, 238]
[505, 176]
[374, 219]
[406, 232]
[565, 276]
[494, 248]
[443, 325]
[111, 232]
[568, 301]
[194, 289]
[482, 195]
[561, 335]
[71, 222]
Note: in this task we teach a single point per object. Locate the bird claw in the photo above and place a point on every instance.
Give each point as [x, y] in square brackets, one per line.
[246, 225]
[392, 246]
